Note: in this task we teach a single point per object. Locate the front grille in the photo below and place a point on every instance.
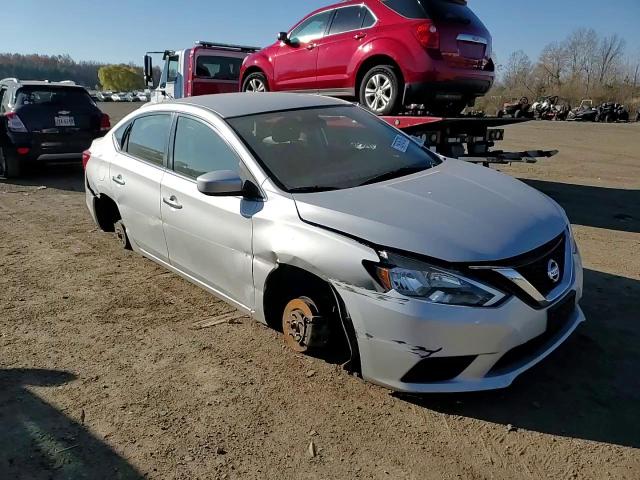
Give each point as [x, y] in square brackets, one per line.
[558, 317]
[537, 272]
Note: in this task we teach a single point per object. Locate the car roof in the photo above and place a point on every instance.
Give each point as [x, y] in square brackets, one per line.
[229, 105]
[39, 83]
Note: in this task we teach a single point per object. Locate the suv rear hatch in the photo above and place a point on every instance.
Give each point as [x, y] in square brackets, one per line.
[59, 119]
[464, 40]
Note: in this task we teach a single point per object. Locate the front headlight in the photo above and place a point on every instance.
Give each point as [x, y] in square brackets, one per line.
[436, 285]
[572, 239]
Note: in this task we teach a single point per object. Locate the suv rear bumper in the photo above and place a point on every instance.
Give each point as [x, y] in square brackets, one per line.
[66, 148]
[458, 89]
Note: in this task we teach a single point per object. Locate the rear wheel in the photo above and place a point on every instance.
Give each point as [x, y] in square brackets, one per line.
[121, 235]
[380, 90]
[10, 166]
[256, 83]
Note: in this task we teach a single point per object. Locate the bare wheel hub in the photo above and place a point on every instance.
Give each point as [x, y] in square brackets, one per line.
[303, 326]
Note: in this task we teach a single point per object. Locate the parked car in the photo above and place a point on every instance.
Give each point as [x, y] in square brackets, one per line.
[517, 109]
[119, 97]
[142, 97]
[385, 53]
[104, 96]
[131, 97]
[318, 218]
[45, 122]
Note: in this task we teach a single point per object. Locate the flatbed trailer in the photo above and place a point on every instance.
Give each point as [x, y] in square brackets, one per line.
[469, 138]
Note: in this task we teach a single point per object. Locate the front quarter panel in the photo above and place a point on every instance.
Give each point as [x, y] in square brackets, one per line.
[264, 60]
[280, 237]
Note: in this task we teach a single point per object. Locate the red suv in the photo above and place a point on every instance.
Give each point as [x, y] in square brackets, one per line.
[386, 53]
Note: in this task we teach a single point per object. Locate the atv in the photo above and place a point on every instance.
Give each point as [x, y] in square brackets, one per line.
[584, 113]
[516, 109]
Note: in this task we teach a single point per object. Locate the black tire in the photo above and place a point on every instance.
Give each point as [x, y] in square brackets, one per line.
[10, 165]
[255, 82]
[121, 234]
[374, 87]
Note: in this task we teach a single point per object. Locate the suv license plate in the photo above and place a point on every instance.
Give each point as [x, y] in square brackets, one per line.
[65, 121]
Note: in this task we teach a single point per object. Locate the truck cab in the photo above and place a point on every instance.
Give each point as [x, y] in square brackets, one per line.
[206, 68]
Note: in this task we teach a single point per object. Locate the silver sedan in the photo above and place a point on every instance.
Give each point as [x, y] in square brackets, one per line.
[317, 218]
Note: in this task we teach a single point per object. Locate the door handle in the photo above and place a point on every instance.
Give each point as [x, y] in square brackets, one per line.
[119, 180]
[311, 46]
[359, 36]
[172, 201]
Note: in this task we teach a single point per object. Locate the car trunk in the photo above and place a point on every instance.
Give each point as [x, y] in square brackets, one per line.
[464, 40]
[60, 120]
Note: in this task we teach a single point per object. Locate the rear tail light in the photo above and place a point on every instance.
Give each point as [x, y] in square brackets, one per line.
[14, 124]
[105, 123]
[428, 35]
[23, 150]
[86, 156]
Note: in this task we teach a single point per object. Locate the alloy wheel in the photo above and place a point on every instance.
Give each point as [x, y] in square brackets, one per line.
[378, 92]
[255, 85]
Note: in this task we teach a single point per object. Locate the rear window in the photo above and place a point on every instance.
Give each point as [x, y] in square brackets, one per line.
[218, 68]
[58, 96]
[439, 10]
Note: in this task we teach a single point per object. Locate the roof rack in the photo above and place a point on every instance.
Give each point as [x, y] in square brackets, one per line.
[67, 82]
[226, 46]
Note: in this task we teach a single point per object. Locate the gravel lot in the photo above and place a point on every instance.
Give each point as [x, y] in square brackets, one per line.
[103, 374]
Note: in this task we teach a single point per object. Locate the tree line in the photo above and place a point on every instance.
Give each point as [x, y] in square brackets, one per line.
[584, 65]
[57, 68]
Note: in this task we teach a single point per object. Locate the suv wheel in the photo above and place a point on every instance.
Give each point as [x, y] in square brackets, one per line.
[256, 82]
[9, 164]
[379, 90]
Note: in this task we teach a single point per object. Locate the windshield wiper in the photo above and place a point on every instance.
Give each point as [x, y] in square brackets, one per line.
[400, 172]
[313, 189]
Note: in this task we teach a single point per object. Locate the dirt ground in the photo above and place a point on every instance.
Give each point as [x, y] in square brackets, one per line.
[103, 375]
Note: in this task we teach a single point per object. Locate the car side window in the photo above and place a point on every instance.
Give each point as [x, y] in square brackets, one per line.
[368, 20]
[198, 149]
[148, 137]
[172, 69]
[3, 92]
[347, 19]
[119, 134]
[312, 28]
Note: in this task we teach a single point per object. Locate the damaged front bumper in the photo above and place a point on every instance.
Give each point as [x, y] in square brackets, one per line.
[411, 345]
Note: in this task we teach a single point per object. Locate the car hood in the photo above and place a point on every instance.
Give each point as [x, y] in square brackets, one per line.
[457, 212]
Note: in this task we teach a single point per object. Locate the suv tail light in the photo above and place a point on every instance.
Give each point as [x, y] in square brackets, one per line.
[105, 123]
[86, 156]
[428, 35]
[14, 124]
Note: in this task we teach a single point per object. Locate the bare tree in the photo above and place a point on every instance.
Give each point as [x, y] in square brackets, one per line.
[609, 55]
[553, 62]
[517, 71]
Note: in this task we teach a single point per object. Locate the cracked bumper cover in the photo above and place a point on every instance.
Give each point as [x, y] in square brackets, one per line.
[394, 333]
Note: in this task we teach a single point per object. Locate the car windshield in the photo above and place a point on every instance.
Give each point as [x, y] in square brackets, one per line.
[332, 148]
[53, 96]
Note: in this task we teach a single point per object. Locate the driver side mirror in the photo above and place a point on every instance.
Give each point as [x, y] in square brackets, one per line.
[283, 37]
[148, 71]
[226, 183]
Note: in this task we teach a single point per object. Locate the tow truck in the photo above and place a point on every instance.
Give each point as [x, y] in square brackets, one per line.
[212, 67]
[206, 68]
